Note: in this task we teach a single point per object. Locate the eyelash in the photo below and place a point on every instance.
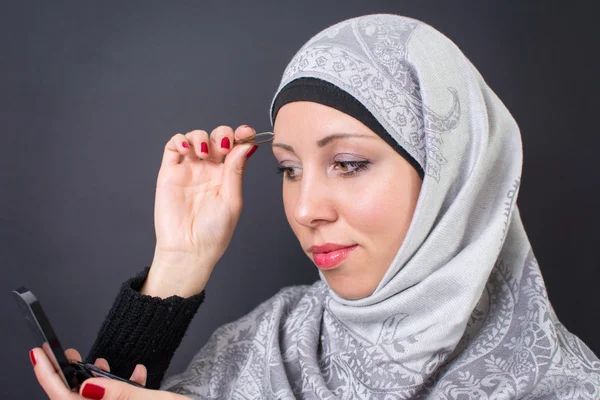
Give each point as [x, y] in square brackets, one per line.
[358, 167]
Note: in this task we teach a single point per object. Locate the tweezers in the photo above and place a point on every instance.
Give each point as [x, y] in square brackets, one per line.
[263, 137]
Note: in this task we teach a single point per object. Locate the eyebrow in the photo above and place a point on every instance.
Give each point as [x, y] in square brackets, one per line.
[326, 140]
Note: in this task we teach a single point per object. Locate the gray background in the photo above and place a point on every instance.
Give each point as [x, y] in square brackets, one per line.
[90, 92]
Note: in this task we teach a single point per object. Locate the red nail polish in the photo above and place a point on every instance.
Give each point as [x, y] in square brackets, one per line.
[204, 148]
[32, 357]
[225, 143]
[91, 391]
[251, 151]
[185, 145]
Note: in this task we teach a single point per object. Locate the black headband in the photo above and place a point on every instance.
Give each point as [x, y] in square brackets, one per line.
[323, 92]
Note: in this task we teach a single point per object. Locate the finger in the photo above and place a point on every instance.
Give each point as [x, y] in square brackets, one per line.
[102, 364]
[221, 142]
[176, 148]
[199, 140]
[54, 386]
[109, 389]
[233, 173]
[244, 132]
[139, 375]
[72, 355]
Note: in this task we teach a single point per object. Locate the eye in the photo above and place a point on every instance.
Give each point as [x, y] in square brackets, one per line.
[348, 168]
[289, 173]
[345, 168]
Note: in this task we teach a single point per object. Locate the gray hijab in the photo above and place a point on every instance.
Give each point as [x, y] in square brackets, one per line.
[462, 312]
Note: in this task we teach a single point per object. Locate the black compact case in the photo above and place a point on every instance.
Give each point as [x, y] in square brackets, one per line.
[73, 373]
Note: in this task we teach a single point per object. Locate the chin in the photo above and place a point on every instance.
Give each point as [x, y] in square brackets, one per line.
[347, 287]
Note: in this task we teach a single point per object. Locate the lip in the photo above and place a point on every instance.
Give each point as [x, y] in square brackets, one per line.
[330, 255]
[327, 247]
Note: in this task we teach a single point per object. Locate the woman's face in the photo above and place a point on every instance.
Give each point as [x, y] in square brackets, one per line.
[348, 196]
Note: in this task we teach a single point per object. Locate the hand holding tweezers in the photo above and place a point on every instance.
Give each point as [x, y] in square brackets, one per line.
[259, 138]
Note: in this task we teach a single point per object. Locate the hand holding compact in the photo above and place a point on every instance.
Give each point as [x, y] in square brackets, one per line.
[197, 206]
[93, 388]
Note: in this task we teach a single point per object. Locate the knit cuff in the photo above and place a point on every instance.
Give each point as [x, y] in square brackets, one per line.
[141, 329]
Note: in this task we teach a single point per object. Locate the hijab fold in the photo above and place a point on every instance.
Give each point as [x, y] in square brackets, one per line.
[462, 312]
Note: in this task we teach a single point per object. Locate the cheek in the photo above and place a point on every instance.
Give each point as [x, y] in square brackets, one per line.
[289, 202]
[381, 211]
[368, 209]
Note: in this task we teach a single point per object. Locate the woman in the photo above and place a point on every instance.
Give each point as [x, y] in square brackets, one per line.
[401, 172]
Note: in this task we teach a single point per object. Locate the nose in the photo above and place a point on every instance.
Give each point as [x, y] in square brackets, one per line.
[315, 204]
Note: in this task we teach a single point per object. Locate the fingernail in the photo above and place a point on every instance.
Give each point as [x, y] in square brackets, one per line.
[32, 357]
[91, 391]
[185, 145]
[225, 143]
[251, 151]
[204, 148]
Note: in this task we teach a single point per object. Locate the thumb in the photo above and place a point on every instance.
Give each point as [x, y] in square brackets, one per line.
[233, 173]
[109, 389]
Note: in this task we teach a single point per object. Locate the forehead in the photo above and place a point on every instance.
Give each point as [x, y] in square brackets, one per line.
[304, 120]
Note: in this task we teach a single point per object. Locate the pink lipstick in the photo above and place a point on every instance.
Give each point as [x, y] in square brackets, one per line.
[329, 255]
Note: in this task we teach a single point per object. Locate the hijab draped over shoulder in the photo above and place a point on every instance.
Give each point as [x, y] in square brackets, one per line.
[462, 312]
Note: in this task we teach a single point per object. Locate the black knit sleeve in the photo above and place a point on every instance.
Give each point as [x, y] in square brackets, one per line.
[142, 329]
